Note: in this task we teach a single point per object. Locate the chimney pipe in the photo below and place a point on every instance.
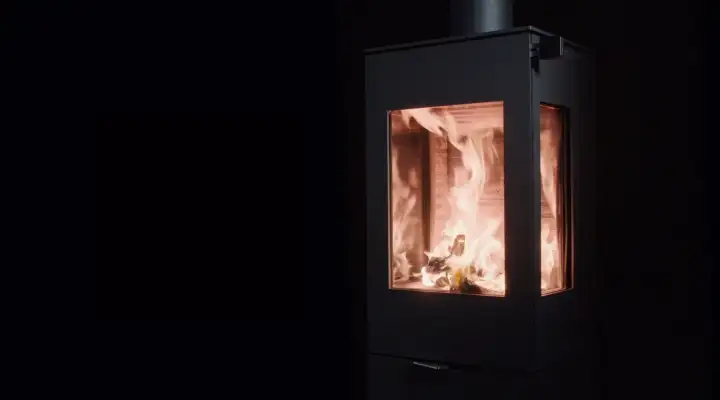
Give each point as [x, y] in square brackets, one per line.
[469, 17]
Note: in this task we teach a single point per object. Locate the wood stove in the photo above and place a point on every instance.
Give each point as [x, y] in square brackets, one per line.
[479, 173]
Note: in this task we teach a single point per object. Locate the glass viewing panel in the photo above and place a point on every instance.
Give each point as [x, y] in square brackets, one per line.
[554, 173]
[447, 199]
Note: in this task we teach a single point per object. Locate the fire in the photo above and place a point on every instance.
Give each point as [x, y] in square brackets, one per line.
[403, 203]
[468, 255]
[552, 278]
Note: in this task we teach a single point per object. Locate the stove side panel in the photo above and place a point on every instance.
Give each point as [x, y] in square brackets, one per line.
[564, 321]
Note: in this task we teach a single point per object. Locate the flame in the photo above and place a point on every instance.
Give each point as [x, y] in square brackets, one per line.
[482, 261]
[475, 213]
[403, 203]
[551, 275]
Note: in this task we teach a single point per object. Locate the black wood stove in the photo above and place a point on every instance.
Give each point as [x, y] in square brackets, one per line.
[479, 154]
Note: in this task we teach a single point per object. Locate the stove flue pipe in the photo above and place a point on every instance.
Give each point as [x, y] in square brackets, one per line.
[469, 17]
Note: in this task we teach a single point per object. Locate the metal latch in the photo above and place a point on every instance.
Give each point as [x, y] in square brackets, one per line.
[548, 47]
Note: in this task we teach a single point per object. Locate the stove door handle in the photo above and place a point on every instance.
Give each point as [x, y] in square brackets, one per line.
[437, 367]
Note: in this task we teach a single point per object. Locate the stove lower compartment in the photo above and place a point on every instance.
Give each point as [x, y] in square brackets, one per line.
[394, 378]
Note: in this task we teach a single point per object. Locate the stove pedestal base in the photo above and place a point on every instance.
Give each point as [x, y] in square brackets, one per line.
[400, 379]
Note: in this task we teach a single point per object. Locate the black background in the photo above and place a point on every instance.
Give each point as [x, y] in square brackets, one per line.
[232, 188]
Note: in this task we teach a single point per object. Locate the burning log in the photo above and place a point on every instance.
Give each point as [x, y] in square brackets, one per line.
[438, 264]
[458, 247]
[466, 286]
[462, 284]
[442, 282]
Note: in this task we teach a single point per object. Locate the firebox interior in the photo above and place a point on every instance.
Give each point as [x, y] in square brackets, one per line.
[447, 199]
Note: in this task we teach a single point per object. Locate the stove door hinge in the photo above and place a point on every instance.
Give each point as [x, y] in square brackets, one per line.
[547, 48]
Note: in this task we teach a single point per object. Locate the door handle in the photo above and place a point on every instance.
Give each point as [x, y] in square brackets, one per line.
[437, 367]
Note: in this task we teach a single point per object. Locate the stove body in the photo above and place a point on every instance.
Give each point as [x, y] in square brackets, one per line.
[443, 119]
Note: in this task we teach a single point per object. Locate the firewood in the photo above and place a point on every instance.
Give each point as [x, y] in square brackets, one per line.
[466, 286]
[458, 247]
[437, 264]
[442, 282]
